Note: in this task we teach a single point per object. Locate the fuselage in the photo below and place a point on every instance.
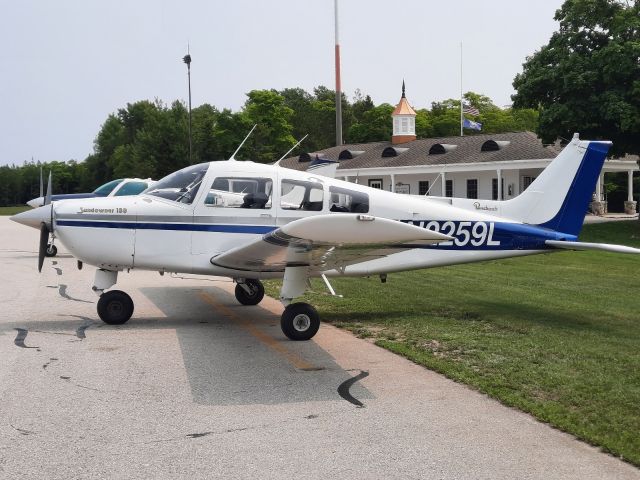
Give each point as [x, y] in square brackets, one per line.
[182, 222]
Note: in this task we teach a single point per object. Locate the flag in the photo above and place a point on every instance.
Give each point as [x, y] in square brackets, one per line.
[472, 125]
[470, 110]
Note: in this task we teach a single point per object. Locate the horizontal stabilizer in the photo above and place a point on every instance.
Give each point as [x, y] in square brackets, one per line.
[604, 247]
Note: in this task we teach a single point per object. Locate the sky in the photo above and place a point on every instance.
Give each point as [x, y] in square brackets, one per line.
[65, 65]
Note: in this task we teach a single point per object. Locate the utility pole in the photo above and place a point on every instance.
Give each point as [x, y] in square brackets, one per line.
[187, 59]
[338, 86]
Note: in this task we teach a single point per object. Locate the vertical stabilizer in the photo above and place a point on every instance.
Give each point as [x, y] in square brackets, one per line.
[558, 199]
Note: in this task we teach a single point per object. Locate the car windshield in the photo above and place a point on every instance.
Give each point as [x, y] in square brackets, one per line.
[181, 186]
[107, 188]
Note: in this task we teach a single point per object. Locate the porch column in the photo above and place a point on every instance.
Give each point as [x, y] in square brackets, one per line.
[444, 184]
[393, 183]
[630, 205]
[599, 189]
[499, 184]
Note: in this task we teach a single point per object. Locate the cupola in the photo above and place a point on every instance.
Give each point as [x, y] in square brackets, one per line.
[404, 121]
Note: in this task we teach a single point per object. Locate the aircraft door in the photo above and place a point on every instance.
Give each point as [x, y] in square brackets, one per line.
[237, 207]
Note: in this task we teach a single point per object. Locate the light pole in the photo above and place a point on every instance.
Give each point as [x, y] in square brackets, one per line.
[187, 59]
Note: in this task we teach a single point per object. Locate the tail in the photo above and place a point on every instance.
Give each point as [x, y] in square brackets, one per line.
[558, 199]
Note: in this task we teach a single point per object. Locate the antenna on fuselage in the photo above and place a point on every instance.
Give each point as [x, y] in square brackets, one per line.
[290, 150]
[233, 157]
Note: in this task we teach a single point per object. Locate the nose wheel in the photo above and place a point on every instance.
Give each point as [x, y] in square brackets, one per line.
[115, 307]
[300, 321]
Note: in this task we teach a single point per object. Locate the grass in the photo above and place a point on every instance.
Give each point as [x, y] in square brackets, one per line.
[557, 335]
[13, 210]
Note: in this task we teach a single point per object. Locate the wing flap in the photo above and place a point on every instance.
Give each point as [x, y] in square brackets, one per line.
[326, 242]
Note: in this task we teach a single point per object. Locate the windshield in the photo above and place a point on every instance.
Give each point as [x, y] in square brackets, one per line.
[181, 186]
[107, 188]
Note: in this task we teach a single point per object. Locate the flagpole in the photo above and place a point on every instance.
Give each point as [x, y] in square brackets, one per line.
[461, 112]
[338, 83]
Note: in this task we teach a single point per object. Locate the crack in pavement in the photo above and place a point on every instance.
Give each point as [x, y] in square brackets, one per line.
[343, 389]
[20, 337]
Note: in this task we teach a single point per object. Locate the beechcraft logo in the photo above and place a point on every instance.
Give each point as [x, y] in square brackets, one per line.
[484, 207]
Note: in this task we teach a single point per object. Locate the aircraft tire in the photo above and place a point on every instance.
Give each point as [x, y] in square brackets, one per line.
[115, 307]
[300, 321]
[51, 251]
[253, 298]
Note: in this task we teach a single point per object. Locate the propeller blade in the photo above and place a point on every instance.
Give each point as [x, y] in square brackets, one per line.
[47, 199]
[44, 240]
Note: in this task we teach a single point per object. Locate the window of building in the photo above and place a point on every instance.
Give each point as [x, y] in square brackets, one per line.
[526, 181]
[375, 183]
[448, 188]
[472, 188]
[301, 195]
[240, 192]
[346, 200]
[405, 125]
[494, 188]
[423, 187]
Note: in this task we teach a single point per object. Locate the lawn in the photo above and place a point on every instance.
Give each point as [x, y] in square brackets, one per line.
[13, 210]
[555, 335]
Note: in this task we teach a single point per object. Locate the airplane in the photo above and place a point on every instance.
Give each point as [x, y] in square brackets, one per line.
[295, 225]
[114, 188]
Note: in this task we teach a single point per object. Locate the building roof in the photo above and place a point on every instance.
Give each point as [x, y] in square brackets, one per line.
[403, 108]
[498, 147]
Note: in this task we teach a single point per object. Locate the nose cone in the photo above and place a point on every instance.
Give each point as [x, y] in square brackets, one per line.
[33, 218]
[36, 202]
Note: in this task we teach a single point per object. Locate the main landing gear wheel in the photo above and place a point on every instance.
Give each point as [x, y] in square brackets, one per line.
[51, 250]
[115, 307]
[253, 297]
[300, 321]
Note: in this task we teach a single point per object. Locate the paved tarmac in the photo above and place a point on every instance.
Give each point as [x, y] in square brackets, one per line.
[197, 386]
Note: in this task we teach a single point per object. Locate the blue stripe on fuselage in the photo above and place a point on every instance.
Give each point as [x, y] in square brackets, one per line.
[193, 227]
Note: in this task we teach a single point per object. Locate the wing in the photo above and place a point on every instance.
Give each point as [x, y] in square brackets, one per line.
[605, 247]
[327, 242]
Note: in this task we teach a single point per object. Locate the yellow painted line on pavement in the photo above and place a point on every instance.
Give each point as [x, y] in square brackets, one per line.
[296, 360]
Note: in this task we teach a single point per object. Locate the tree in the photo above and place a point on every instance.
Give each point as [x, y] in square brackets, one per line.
[587, 78]
[272, 136]
[375, 126]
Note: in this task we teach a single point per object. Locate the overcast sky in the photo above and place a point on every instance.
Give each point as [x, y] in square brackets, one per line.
[65, 65]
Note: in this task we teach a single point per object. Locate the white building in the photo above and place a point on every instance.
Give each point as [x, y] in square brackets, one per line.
[488, 166]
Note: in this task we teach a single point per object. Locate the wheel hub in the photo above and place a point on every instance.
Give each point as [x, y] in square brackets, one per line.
[301, 322]
[115, 308]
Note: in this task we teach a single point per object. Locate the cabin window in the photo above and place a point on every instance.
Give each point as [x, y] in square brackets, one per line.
[240, 192]
[423, 187]
[348, 201]
[472, 188]
[181, 186]
[131, 188]
[301, 195]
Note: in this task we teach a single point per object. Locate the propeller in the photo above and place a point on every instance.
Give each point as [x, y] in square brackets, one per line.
[44, 240]
[44, 229]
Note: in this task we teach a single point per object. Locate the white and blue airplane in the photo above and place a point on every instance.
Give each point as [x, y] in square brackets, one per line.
[251, 221]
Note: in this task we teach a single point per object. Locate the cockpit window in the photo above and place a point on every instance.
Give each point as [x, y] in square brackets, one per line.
[131, 188]
[181, 186]
[346, 200]
[107, 188]
[240, 192]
